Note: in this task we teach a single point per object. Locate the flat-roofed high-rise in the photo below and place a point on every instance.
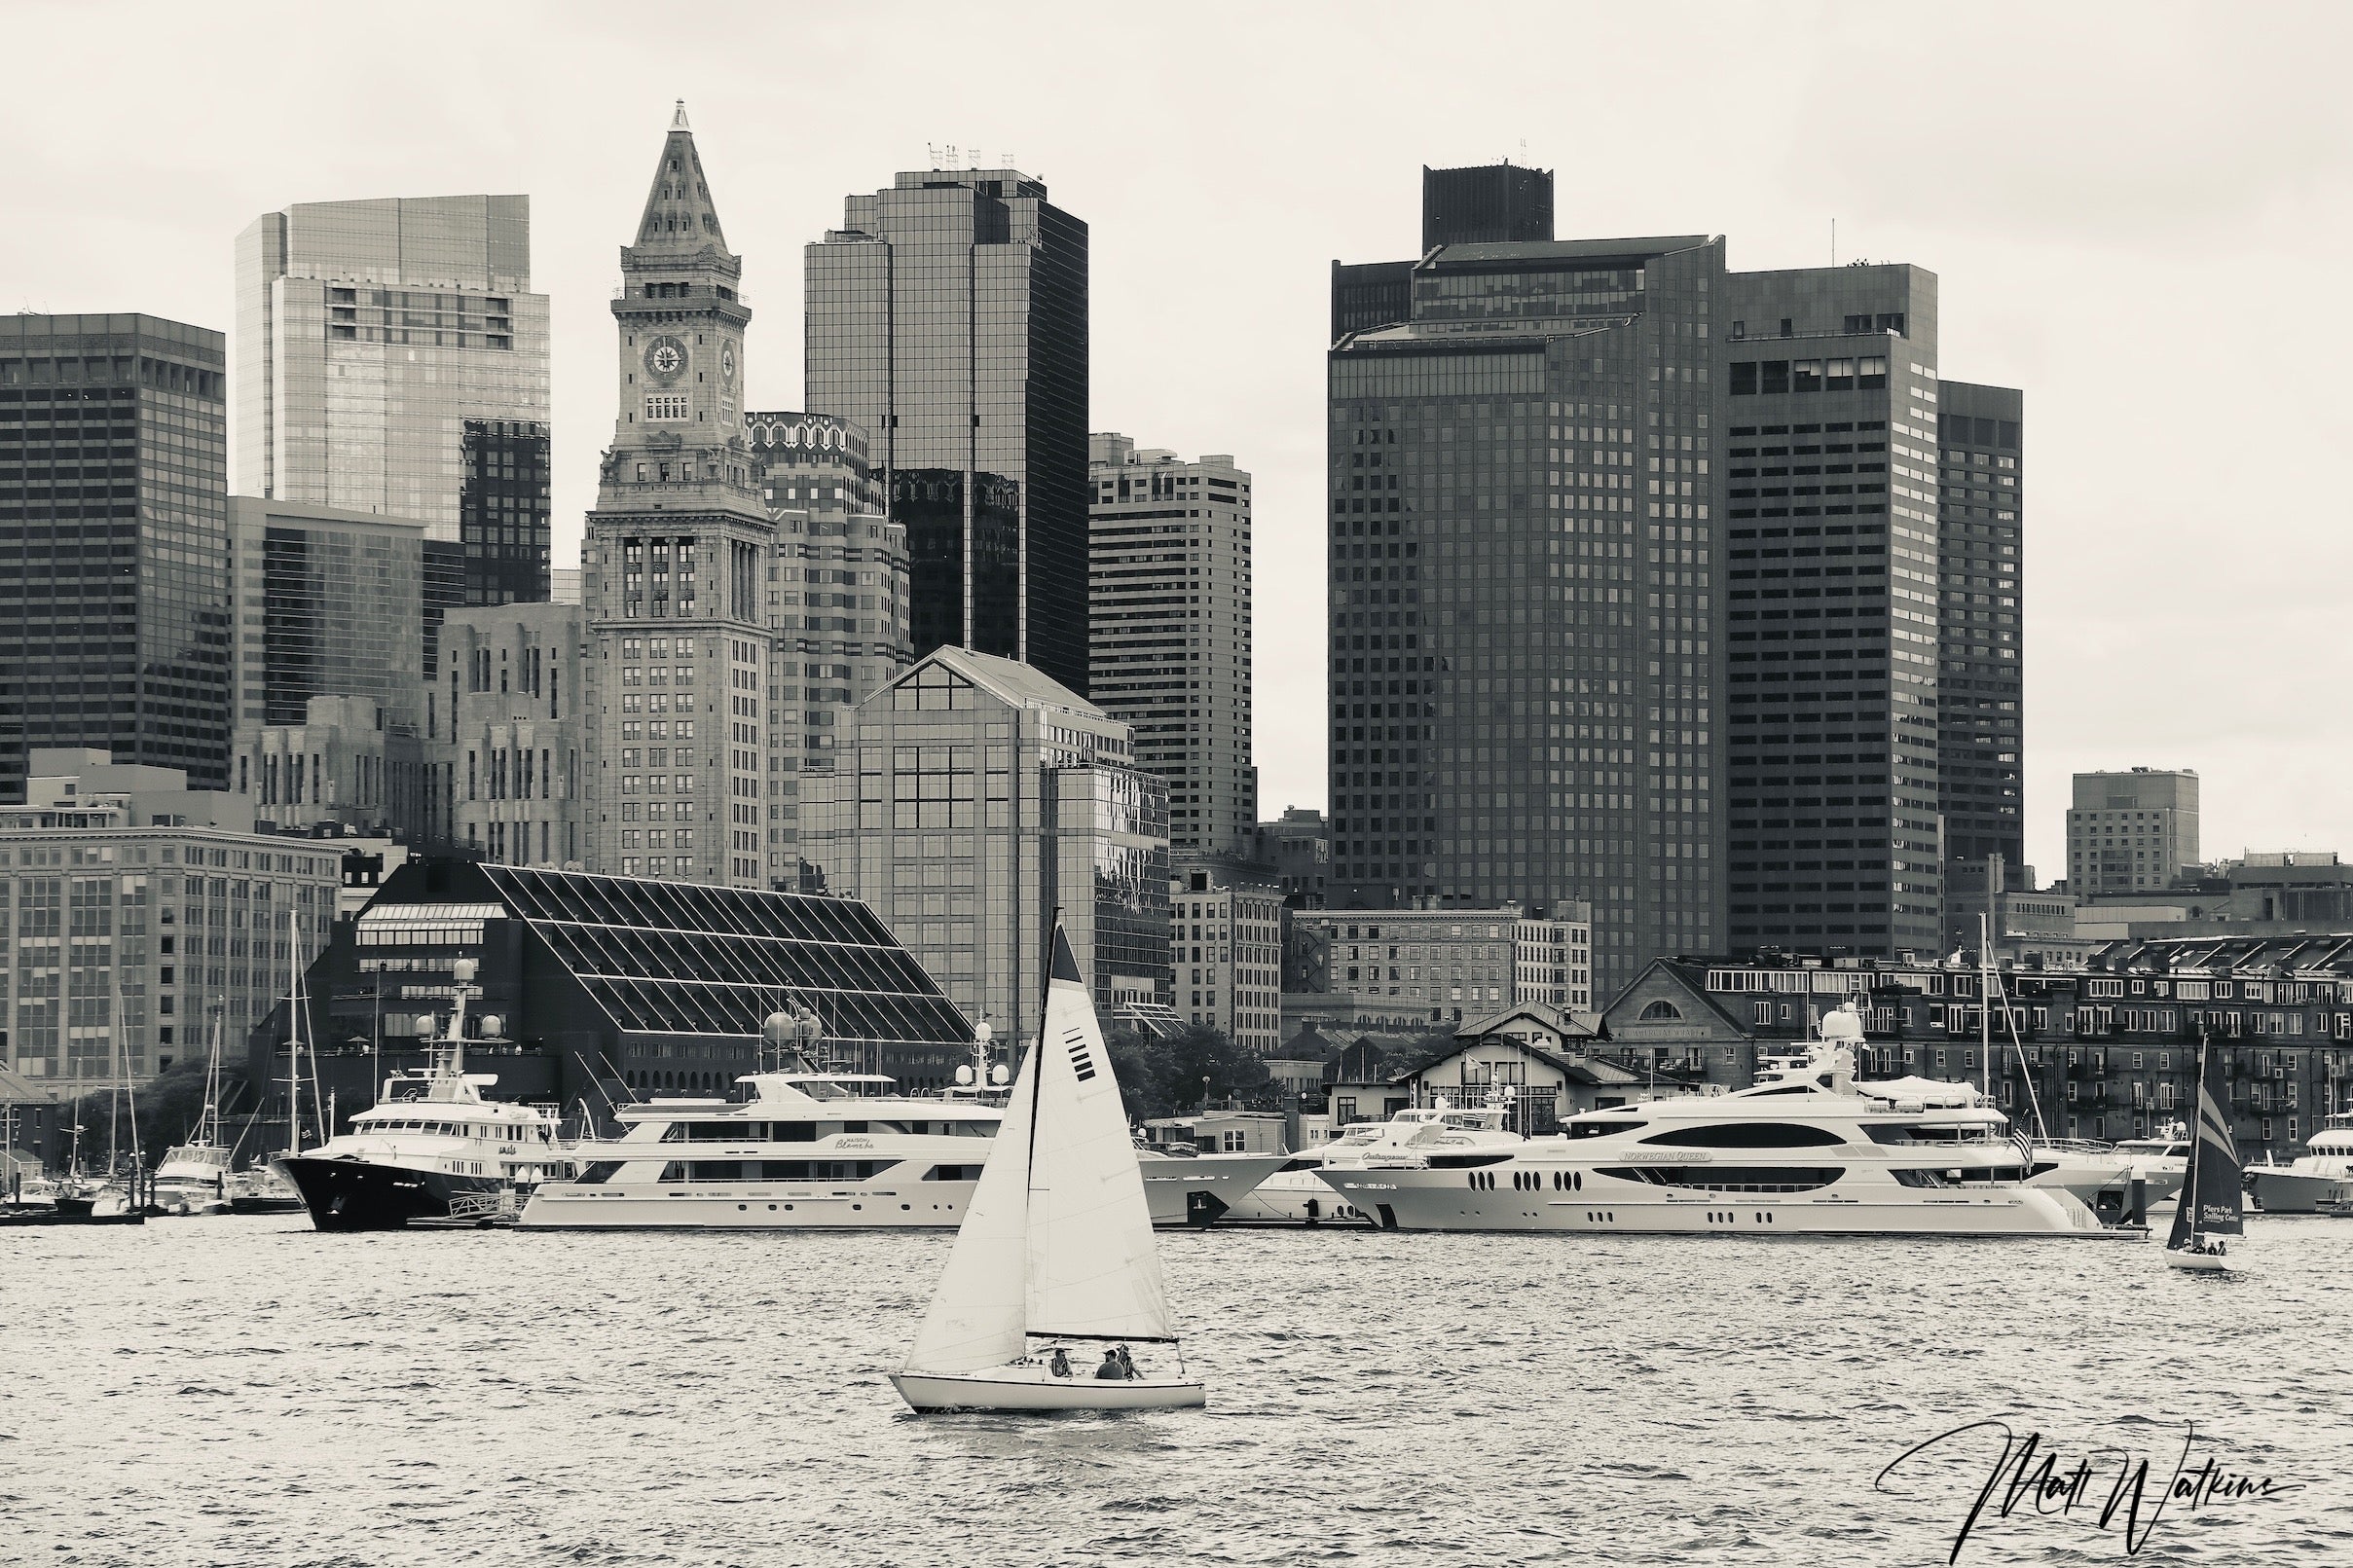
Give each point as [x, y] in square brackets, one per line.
[114, 543]
[948, 317]
[391, 358]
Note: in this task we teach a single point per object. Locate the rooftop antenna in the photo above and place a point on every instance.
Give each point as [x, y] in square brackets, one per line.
[1834, 241]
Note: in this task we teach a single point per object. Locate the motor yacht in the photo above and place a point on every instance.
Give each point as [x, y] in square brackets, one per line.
[1296, 1194]
[1806, 1151]
[2161, 1162]
[807, 1148]
[1186, 1189]
[2318, 1181]
[433, 1148]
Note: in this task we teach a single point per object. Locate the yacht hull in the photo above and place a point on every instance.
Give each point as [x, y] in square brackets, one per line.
[1296, 1198]
[1032, 1389]
[1203, 1190]
[352, 1195]
[608, 1206]
[1414, 1200]
[2286, 1192]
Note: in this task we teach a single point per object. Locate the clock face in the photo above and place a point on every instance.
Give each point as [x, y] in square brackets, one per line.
[666, 359]
[727, 363]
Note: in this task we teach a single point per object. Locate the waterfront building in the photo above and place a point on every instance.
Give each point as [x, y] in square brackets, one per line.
[1982, 651]
[391, 358]
[948, 317]
[672, 562]
[506, 776]
[129, 916]
[1525, 676]
[2132, 831]
[610, 988]
[1831, 611]
[326, 603]
[985, 798]
[1225, 928]
[36, 1131]
[1420, 967]
[343, 763]
[836, 601]
[2106, 1051]
[1169, 616]
[1298, 845]
[1552, 959]
[114, 543]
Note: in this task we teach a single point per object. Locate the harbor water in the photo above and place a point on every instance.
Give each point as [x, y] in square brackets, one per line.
[245, 1391]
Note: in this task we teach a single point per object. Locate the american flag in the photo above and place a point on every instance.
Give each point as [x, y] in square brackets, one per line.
[2024, 1146]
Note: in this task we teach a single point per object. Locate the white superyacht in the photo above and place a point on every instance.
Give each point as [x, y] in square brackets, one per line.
[2320, 1179]
[1807, 1150]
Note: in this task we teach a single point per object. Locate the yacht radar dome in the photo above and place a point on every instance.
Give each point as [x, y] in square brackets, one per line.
[463, 972]
[1843, 1024]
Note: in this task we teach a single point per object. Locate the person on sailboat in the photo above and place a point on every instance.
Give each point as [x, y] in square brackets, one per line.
[1060, 1364]
[1127, 1364]
[1111, 1367]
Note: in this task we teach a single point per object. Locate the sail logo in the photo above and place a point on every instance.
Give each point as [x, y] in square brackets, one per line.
[1082, 1061]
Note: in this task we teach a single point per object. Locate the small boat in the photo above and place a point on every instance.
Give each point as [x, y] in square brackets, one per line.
[261, 1189]
[2212, 1206]
[1055, 1250]
[194, 1177]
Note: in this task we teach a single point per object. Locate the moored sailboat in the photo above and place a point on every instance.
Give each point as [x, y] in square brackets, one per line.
[2212, 1206]
[1056, 1250]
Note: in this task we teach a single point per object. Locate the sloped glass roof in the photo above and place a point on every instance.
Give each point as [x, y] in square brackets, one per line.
[679, 958]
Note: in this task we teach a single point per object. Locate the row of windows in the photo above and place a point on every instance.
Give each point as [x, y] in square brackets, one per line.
[1752, 377]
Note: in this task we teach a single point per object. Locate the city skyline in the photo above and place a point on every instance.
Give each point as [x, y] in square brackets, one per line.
[2042, 297]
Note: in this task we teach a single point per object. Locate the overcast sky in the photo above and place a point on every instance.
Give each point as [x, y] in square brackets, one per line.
[2139, 213]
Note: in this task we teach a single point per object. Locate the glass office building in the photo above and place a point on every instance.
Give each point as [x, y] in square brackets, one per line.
[948, 317]
[1525, 679]
[326, 606]
[984, 797]
[114, 543]
[1487, 204]
[386, 351]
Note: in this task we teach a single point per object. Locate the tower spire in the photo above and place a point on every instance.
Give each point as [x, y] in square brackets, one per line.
[679, 220]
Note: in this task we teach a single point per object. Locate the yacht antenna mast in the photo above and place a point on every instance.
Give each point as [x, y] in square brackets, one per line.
[1985, 1006]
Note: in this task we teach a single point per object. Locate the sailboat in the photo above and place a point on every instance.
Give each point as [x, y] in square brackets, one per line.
[1054, 1262]
[2212, 1204]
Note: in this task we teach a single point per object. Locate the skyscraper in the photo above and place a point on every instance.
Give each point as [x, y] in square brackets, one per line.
[1170, 619]
[948, 317]
[1982, 689]
[672, 564]
[114, 534]
[1830, 533]
[326, 604]
[391, 358]
[1525, 672]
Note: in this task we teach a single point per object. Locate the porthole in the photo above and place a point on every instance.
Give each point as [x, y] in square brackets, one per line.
[741, 1207]
[771, 1208]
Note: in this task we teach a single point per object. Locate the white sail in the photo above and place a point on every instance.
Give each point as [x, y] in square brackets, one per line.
[976, 1314]
[1093, 1271]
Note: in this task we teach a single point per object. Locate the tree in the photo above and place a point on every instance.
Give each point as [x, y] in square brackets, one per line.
[1168, 1077]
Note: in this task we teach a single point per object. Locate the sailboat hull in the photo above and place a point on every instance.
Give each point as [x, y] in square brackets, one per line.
[1034, 1388]
[2196, 1262]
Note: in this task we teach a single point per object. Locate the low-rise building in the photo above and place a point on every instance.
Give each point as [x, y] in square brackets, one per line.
[120, 926]
[1298, 845]
[1539, 1063]
[2107, 1051]
[1553, 958]
[1422, 965]
[1226, 950]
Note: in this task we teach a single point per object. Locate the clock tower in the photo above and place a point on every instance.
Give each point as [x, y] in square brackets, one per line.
[673, 564]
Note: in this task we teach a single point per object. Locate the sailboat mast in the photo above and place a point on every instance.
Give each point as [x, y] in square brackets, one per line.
[294, 1053]
[1985, 1006]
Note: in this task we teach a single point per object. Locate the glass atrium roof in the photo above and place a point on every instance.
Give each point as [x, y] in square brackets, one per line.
[680, 958]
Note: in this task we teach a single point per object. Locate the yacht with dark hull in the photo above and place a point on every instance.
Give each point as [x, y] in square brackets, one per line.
[432, 1148]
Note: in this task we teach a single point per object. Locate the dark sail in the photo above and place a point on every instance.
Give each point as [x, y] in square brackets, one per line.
[2212, 1203]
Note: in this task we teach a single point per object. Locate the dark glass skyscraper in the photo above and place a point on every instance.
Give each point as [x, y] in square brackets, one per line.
[114, 543]
[502, 511]
[1526, 675]
[1981, 740]
[1488, 203]
[1830, 533]
[948, 317]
